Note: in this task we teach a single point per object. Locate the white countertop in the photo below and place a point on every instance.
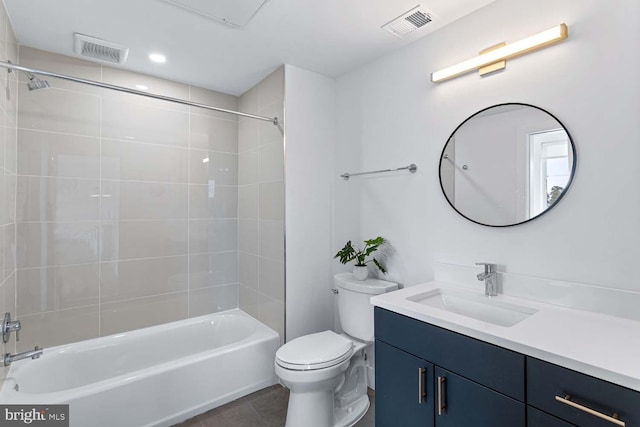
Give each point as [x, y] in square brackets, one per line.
[600, 345]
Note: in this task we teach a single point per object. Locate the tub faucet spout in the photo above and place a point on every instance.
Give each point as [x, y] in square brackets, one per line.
[8, 358]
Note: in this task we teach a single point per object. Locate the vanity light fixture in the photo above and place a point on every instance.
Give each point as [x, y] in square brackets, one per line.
[495, 58]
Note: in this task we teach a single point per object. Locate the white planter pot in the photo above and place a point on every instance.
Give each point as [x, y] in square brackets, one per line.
[360, 273]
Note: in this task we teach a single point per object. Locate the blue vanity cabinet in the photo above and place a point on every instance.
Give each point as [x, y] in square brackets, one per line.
[472, 383]
[580, 399]
[404, 388]
[536, 418]
[461, 402]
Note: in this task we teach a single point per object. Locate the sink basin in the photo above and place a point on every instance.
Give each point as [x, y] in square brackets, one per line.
[477, 307]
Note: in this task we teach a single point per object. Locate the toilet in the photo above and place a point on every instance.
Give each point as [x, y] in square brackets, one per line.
[326, 372]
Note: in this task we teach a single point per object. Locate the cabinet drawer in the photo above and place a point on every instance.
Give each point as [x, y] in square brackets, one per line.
[546, 381]
[536, 418]
[497, 368]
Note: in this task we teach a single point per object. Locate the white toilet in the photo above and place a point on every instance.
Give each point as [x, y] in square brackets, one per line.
[326, 372]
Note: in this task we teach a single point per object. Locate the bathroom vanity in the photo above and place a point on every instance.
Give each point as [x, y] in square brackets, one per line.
[438, 367]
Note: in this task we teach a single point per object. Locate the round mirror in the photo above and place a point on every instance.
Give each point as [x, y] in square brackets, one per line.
[507, 164]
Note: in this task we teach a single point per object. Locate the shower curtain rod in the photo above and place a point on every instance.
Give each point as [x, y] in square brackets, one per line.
[10, 66]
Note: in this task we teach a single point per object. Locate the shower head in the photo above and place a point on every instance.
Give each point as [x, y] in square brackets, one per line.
[36, 83]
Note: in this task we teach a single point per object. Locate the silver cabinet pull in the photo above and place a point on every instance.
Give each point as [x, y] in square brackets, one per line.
[612, 419]
[442, 405]
[421, 393]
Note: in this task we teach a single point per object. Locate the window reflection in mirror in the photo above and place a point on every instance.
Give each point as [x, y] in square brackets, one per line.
[507, 164]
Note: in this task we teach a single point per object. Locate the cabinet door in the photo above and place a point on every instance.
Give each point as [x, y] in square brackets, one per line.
[536, 418]
[461, 402]
[404, 389]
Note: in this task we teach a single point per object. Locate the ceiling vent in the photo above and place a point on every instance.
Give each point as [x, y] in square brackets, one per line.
[99, 50]
[408, 22]
[233, 13]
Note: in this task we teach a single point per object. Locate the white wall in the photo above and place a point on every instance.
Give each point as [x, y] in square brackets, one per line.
[309, 169]
[389, 114]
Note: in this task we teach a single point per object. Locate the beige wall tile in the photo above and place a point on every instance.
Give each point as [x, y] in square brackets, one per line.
[59, 110]
[10, 148]
[3, 273]
[249, 301]
[213, 201]
[13, 94]
[211, 133]
[45, 244]
[247, 135]
[4, 212]
[215, 269]
[142, 123]
[42, 290]
[272, 239]
[249, 202]
[271, 163]
[125, 240]
[208, 165]
[142, 278]
[127, 200]
[249, 102]
[267, 132]
[212, 300]
[271, 89]
[248, 167]
[58, 327]
[8, 290]
[9, 197]
[272, 314]
[57, 199]
[155, 85]
[272, 200]
[42, 60]
[272, 278]
[122, 316]
[143, 162]
[249, 267]
[249, 236]
[9, 243]
[216, 99]
[55, 154]
[213, 235]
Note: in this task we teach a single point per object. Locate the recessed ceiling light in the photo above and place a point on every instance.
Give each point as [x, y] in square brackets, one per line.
[157, 57]
[142, 87]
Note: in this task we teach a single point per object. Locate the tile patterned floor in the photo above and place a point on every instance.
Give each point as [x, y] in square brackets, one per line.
[264, 408]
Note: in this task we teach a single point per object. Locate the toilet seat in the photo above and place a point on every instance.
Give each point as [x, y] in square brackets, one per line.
[315, 351]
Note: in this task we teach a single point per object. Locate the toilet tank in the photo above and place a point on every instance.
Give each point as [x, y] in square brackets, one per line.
[354, 308]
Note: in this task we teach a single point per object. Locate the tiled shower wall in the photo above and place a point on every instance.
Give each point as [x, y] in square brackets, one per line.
[8, 98]
[261, 203]
[126, 206]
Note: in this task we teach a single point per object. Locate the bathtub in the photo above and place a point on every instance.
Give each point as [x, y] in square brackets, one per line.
[156, 376]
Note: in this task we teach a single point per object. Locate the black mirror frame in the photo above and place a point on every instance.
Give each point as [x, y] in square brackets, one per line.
[573, 166]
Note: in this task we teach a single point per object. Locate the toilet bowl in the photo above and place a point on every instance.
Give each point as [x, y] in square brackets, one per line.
[326, 372]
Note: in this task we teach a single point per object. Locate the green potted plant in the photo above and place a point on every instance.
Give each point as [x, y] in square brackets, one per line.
[348, 253]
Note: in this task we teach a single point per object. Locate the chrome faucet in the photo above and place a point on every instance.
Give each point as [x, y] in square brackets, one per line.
[9, 326]
[8, 359]
[490, 277]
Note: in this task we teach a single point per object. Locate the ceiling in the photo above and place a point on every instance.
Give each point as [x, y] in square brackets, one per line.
[330, 37]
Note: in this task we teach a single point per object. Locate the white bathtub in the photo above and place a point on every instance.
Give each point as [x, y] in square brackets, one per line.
[156, 376]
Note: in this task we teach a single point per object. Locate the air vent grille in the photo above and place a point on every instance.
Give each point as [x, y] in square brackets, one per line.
[100, 50]
[418, 19]
[408, 22]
